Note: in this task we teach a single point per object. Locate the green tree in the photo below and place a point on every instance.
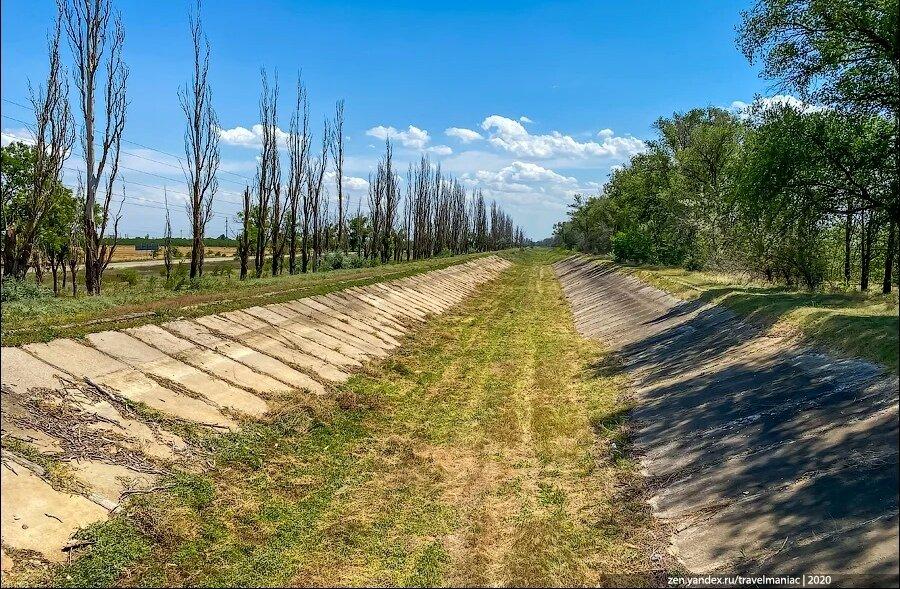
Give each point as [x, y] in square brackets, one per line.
[843, 53]
[28, 222]
[55, 233]
[803, 173]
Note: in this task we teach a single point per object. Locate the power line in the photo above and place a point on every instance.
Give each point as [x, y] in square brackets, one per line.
[170, 179]
[142, 201]
[142, 146]
[132, 182]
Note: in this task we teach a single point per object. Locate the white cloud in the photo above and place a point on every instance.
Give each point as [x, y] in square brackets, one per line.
[13, 135]
[511, 136]
[252, 137]
[440, 150]
[744, 109]
[519, 172]
[605, 133]
[412, 138]
[352, 183]
[525, 119]
[464, 135]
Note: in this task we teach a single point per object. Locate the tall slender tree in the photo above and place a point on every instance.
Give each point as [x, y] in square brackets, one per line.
[267, 171]
[298, 149]
[96, 44]
[337, 154]
[201, 142]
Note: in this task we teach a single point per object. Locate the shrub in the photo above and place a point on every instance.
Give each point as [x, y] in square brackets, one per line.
[18, 290]
[128, 275]
[632, 246]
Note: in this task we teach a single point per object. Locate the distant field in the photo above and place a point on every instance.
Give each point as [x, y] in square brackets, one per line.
[128, 253]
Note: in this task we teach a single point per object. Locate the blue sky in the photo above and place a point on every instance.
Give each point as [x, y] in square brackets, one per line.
[591, 77]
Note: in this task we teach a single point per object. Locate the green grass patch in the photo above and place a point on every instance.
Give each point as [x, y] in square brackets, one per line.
[863, 325]
[470, 457]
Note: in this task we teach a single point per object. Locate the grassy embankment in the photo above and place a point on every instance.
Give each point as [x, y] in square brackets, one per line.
[135, 296]
[857, 324]
[488, 450]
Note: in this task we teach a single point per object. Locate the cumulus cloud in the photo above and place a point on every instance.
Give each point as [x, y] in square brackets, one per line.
[440, 150]
[464, 135]
[412, 138]
[525, 119]
[352, 183]
[745, 109]
[519, 177]
[511, 136]
[524, 172]
[22, 135]
[252, 137]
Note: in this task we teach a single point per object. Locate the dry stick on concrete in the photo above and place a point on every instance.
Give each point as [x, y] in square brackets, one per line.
[113, 397]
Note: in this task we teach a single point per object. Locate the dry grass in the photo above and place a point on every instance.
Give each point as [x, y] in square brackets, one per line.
[486, 452]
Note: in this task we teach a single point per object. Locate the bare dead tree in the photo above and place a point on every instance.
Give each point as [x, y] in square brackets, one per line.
[337, 154]
[376, 213]
[91, 37]
[313, 204]
[298, 149]
[325, 224]
[76, 237]
[276, 223]
[167, 239]
[244, 243]
[479, 223]
[268, 105]
[201, 143]
[391, 187]
[54, 134]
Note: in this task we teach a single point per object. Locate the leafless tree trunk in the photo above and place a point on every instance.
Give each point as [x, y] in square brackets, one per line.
[75, 232]
[278, 212]
[201, 143]
[298, 148]
[53, 259]
[337, 153]
[313, 201]
[167, 240]
[87, 24]
[54, 135]
[889, 257]
[244, 244]
[268, 105]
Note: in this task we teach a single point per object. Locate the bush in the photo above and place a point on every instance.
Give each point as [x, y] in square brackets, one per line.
[179, 276]
[19, 290]
[356, 262]
[632, 246]
[128, 275]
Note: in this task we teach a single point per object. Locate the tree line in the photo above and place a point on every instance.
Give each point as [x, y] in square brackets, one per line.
[799, 191]
[286, 222]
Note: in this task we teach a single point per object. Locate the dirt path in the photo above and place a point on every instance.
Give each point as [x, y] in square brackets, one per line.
[765, 456]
